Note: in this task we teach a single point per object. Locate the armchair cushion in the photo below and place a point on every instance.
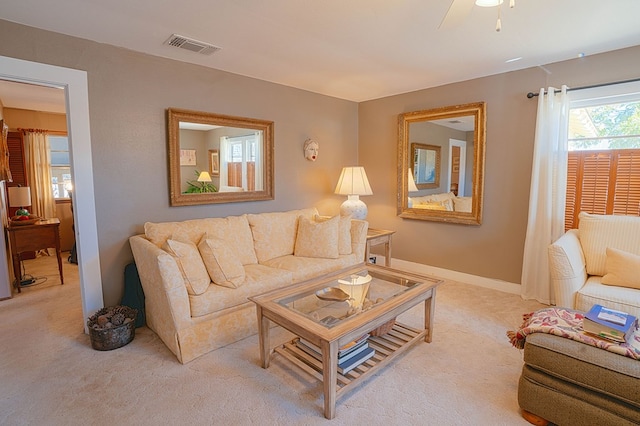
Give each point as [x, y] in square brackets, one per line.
[622, 269]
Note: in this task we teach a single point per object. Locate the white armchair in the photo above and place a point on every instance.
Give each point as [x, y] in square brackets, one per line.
[579, 262]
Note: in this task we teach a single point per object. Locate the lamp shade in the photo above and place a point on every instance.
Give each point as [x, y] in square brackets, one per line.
[19, 196]
[204, 177]
[353, 181]
[412, 182]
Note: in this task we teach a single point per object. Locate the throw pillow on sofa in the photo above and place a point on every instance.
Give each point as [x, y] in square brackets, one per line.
[344, 232]
[622, 269]
[222, 263]
[317, 239]
[188, 258]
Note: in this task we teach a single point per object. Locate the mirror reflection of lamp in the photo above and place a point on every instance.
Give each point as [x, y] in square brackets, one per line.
[20, 196]
[412, 187]
[353, 182]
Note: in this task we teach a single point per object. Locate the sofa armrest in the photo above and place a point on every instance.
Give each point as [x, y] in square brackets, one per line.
[359, 230]
[567, 267]
[166, 300]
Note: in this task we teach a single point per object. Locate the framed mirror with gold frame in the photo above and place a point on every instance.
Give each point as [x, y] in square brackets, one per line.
[441, 154]
[215, 158]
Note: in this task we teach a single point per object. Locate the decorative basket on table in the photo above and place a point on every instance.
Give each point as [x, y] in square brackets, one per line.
[384, 328]
[112, 327]
[21, 222]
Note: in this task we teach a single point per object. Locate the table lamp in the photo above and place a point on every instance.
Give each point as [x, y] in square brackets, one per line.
[412, 187]
[20, 196]
[353, 182]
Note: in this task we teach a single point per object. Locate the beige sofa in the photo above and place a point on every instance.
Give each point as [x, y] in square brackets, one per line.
[598, 263]
[446, 201]
[197, 274]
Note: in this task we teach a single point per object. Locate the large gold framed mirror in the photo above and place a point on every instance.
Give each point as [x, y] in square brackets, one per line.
[441, 164]
[216, 158]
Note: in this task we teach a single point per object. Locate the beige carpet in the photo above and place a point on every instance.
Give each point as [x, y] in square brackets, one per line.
[50, 375]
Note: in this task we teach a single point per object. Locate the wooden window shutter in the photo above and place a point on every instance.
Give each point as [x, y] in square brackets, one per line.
[627, 183]
[571, 213]
[593, 187]
[16, 159]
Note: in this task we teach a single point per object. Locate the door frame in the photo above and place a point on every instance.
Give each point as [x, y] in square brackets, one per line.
[74, 83]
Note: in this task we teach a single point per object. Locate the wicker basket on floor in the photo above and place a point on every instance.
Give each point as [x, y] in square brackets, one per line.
[384, 328]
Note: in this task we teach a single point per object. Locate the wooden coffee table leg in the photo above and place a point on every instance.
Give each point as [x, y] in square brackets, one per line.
[329, 377]
[429, 311]
[263, 336]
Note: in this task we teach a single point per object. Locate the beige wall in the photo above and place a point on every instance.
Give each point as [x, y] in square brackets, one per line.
[129, 93]
[494, 249]
[128, 96]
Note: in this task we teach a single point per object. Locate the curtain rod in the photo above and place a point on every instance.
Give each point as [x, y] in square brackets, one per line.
[531, 94]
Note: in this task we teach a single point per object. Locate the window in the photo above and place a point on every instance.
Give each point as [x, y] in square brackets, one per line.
[239, 168]
[603, 175]
[60, 166]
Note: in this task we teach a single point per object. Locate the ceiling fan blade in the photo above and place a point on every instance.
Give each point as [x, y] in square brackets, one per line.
[457, 13]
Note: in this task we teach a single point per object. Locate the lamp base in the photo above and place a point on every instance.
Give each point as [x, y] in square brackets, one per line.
[354, 207]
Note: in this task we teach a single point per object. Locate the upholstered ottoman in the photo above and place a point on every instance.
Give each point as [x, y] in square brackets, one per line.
[570, 383]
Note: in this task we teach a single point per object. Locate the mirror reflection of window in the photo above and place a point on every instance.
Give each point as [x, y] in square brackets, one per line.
[240, 168]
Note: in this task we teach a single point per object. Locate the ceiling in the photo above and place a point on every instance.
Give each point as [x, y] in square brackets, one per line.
[350, 49]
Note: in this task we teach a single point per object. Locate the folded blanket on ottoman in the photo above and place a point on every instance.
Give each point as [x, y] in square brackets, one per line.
[567, 323]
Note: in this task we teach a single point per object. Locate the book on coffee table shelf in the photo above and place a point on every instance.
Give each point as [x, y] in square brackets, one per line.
[345, 366]
[609, 324]
[347, 352]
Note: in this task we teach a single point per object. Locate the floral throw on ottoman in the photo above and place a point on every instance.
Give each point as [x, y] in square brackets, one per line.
[568, 323]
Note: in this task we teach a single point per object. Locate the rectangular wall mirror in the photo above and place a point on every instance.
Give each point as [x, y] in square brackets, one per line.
[441, 164]
[216, 158]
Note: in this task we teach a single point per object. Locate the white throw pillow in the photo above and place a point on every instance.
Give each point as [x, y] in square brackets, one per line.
[623, 269]
[222, 263]
[188, 258]
[317, 239]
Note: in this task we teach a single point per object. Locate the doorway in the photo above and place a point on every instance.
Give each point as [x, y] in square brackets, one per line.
[457, 166]
[74, 83]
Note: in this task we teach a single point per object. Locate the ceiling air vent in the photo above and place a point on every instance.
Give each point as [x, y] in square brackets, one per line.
[192, 45]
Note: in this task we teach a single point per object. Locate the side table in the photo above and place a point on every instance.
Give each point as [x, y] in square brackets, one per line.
[41, 235]
[376, 237]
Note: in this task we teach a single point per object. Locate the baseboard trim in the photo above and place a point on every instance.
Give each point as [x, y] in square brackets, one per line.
[491, 283]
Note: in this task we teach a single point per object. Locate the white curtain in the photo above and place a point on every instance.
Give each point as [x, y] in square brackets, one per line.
[548, 193]
[39, 169]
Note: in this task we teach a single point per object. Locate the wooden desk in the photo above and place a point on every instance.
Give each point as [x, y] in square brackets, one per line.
[41, 235]
[376, 237]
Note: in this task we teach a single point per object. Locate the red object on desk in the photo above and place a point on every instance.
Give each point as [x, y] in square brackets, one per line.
[40, 235]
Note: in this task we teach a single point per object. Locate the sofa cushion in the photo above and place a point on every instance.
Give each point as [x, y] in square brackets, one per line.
[258, 279]
[196, 277]
[344, 232]
[623, 269]
[317, 239]
[274, 234]
[597, 232]
[462, 204]
[304, 268]
[222, 262]
[234, 230]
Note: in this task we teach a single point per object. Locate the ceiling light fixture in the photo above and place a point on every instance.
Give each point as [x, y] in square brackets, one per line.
[493, 3]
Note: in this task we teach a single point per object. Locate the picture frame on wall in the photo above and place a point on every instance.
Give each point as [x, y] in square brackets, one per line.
[214, 162]
[187, 157]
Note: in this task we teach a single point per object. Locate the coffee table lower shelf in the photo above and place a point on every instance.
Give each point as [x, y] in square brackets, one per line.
[387, 347]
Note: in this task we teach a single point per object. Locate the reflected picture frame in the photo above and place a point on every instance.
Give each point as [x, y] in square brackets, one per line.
[187, 157]
[214, 162]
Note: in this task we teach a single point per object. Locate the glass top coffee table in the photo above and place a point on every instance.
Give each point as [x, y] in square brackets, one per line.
[343, 309]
